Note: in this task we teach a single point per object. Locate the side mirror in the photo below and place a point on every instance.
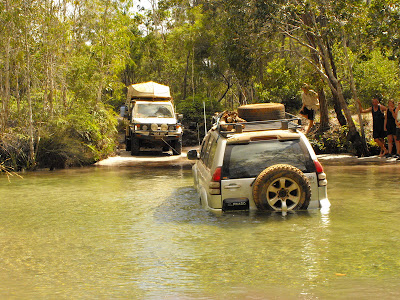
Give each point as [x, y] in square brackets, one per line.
[179, 117]
[122, 111]
[192, 155]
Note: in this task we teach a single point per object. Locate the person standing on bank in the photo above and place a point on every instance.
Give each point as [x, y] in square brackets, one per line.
[397, 120]
[310, 105]
[378, 123]
[390, 126]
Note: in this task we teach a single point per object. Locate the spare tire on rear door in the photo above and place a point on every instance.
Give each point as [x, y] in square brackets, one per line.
[281, 188]
[261, 111]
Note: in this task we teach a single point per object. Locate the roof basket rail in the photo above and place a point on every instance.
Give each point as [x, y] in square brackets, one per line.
[289, 122]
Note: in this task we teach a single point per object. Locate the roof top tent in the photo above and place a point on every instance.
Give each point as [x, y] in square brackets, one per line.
[148, 91]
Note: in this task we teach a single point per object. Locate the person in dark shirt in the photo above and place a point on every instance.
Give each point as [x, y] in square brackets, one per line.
[397, 120]
[390, 125]
[378, 123]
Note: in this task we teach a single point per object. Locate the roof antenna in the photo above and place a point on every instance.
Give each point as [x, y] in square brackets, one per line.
[205, 121]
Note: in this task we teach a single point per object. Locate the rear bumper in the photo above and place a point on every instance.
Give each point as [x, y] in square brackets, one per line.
[322, 203]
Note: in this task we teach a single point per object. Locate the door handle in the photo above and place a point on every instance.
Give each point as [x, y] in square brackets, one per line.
[232, 186]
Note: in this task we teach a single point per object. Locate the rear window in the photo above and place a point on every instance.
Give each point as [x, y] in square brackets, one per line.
[248, 160]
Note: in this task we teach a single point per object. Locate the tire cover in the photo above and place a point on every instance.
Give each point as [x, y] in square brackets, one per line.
[262, 111]
[281, 186]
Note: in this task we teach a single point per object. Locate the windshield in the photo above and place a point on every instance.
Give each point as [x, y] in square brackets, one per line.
[153, 110]
[249, 160]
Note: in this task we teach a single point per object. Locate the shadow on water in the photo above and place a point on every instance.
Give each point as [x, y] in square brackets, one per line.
[183, 206]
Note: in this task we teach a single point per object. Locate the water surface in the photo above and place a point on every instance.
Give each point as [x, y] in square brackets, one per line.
[141, 234]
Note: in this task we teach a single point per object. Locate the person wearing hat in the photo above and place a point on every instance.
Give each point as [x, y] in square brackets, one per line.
[310, 105]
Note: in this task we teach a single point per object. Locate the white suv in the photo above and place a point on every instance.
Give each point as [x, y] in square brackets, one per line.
[264, 165]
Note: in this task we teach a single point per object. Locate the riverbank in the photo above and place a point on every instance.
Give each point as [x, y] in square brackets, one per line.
[166, 160]
[149, 159]
[350, 159]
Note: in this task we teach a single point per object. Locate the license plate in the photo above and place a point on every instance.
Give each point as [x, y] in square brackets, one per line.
[158, 135]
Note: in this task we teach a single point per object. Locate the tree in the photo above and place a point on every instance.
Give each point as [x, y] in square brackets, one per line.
[312, 25]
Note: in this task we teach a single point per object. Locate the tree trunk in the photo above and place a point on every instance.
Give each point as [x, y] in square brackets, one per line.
[228, 83]
[31, 158]
[7, 96]
[323, 109]
[336, 103]
[7, 92]
[334, 84]
[64, 96]
[17, 96]
[338, 111]
[353, 89]
[185, 77]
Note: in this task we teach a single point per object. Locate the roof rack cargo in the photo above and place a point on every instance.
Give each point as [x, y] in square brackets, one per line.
[289, 122]
[148, 91]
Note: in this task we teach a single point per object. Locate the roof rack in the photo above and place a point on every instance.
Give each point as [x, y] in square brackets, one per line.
[289, 122]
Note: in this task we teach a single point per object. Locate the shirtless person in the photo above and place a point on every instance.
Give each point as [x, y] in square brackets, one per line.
[310, 105]
[378, 123]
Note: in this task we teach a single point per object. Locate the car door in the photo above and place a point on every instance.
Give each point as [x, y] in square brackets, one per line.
[203, 171]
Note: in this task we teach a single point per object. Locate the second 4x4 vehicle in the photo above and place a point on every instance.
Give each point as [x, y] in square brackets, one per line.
[152, 121]
[264, 165]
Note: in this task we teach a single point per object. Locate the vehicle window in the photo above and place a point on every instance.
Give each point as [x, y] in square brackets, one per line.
[207, 149]
[204, 146]
[212, 153]
[153, 110]
[247, 161]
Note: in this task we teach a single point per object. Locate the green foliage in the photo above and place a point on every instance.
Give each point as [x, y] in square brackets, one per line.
[280, 84]
[377, 75]
[60, 68]
[332, 141]
[14, 149]
[80, 138]
[193, 111]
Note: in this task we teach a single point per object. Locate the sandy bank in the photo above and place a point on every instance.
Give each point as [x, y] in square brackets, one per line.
[166, 160]
[349, 159]
[149, 158]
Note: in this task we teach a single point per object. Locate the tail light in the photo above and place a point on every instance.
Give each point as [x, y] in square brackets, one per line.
[215, 184]
[321, 176]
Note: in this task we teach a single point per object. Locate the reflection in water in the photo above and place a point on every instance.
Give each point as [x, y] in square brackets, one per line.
[130, 233]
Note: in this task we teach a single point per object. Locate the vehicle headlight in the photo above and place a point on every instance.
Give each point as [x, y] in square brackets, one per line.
[171, 127]
[154, 127]
[164, 127]
[144, 127]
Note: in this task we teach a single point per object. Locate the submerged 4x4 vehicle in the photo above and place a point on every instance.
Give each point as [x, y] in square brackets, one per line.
[152, 119]
[264, 165]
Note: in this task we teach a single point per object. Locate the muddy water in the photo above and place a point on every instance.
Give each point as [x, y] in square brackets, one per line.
[141, 234]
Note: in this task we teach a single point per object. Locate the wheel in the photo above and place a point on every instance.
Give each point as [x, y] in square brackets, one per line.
[281, 188]
[177, 147]
[127, 143]
[135, 145]
[261, 111]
